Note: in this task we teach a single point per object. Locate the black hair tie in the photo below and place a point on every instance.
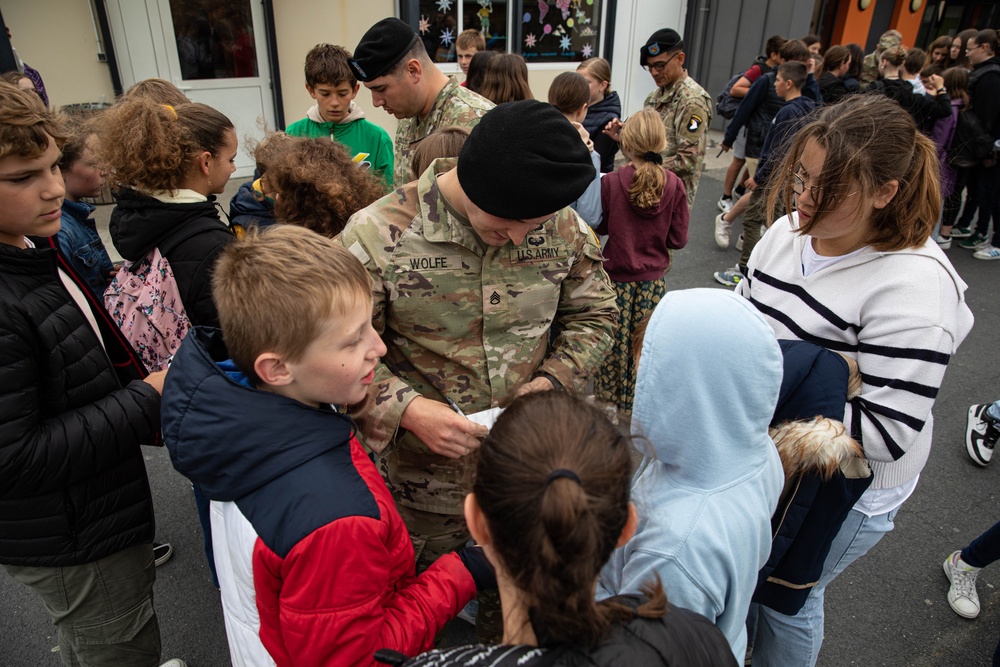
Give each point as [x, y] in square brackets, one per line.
[650, 156]
[561, 472]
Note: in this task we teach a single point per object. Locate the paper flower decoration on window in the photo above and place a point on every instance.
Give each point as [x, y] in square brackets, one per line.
[587, 50]
[529, 41]
[564, 43]
[444, 5]
[425, 24]
[447, 36]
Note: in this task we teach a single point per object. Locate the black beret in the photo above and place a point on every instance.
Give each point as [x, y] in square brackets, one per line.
[661, 41]
[524, 160]
[382, 46]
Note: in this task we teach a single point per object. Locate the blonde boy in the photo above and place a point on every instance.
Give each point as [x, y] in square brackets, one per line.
[332, 84]
[315, 564]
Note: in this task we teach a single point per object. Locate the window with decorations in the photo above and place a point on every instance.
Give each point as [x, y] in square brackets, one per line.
[543, 31]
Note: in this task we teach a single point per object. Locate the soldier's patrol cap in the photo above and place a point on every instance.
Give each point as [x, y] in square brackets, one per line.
[661, 41]
[381, 48]
[524, 160]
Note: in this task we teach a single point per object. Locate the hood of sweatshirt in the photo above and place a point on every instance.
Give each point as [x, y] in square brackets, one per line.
[233, 439]
[625, 178]
[354, 112]
[706, 389]
[140, 223]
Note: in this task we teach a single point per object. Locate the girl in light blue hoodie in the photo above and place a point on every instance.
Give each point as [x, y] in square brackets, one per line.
[708, 380]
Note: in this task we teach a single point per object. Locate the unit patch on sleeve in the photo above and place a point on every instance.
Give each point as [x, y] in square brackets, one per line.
[694, 122]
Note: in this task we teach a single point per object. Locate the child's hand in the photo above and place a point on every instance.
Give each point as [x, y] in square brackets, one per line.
[614, 129]
[750, 184]
[443, 430]
[155, 380]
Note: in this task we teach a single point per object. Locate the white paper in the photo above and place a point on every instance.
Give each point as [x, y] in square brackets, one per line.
[487, 417]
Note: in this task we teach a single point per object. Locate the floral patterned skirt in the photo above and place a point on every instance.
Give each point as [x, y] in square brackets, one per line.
[615, 381]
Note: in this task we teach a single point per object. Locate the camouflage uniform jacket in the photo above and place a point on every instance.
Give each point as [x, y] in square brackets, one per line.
[469, 322]
[686, 110]
[454, 105]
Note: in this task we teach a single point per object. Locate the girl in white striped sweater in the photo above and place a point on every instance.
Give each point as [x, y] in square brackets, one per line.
[854, 269]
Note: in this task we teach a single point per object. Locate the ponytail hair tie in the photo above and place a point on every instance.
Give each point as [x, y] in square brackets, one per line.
[170, 109]
[650, 156]
[561, 472]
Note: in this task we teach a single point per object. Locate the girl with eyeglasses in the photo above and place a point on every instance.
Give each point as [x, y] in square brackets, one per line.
[854, 269]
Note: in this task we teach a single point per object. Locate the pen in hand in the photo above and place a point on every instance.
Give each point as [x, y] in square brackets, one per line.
[454, 406]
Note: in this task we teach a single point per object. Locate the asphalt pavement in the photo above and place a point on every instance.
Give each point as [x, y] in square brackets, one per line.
[889, 608]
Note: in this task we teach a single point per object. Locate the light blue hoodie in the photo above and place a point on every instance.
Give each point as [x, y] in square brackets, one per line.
[707, 385]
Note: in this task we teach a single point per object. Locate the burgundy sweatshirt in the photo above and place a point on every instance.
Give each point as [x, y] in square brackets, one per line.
[639, 239]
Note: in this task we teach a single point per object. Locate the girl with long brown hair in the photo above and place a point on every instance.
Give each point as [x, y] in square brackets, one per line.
[549, 504]
[505, 79]
[854, 269]
[645, 215]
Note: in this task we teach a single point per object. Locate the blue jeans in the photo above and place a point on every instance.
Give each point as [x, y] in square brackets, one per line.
[779, 640]
[993, 412]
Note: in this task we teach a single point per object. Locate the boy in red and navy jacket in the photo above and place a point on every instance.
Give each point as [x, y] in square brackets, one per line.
[302, 522]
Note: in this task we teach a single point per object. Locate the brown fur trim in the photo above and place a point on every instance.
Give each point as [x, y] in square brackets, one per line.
[816, 445]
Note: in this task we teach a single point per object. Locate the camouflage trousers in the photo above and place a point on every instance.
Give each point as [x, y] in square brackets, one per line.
[434, 535]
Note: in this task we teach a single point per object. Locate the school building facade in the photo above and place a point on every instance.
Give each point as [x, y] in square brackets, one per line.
[245, 57]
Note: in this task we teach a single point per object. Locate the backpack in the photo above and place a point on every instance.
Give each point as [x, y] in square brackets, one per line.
[725, 103]
[971, 143]
[145, 303]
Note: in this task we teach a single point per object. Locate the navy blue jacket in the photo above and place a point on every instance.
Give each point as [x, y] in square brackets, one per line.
[783, 129]
[810, 515]
[598, 116]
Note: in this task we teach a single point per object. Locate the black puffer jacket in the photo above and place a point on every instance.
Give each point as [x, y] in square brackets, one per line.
[73, 484]
[681, 638]
[190, 236]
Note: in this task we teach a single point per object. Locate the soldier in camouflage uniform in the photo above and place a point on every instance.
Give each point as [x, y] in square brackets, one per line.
[869, 66]
[685, 107]
[471, 269]
[394, 65]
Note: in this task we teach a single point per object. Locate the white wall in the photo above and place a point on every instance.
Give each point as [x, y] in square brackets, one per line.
[57, 38]
[636, 20]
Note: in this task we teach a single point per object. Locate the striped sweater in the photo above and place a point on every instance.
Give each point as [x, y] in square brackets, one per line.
[900, 314]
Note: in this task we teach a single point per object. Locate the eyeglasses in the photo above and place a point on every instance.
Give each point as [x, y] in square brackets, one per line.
[659, 67]
[815, 191]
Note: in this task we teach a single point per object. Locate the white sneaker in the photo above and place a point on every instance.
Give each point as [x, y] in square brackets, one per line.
[722, 229]
[739, 243]
[943, 243]
[725, 203]
[962, 595]
[176, 662]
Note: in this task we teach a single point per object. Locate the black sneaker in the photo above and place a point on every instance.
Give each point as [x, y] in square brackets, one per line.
[162, 553]
[981, 434]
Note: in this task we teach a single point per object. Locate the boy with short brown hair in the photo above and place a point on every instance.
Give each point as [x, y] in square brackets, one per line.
[76, 515]
[469, 43]
[333, 86]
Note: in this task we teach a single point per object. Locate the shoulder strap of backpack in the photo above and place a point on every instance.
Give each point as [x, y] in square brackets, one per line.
[187, 232]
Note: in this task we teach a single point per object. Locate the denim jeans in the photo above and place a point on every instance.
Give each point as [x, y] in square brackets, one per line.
[103, 610]
[994, 411]
[779, 640]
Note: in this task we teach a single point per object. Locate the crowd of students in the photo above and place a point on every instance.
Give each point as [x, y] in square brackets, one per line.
[950, 92]
[309, 364]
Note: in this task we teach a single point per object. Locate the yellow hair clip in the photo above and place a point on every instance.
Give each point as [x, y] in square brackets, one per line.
[172, 110]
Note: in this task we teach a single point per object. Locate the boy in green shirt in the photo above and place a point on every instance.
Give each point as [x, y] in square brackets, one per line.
[331, 83]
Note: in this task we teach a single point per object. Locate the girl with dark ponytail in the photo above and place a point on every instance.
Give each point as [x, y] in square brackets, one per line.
[549, 504]
[645, 215]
